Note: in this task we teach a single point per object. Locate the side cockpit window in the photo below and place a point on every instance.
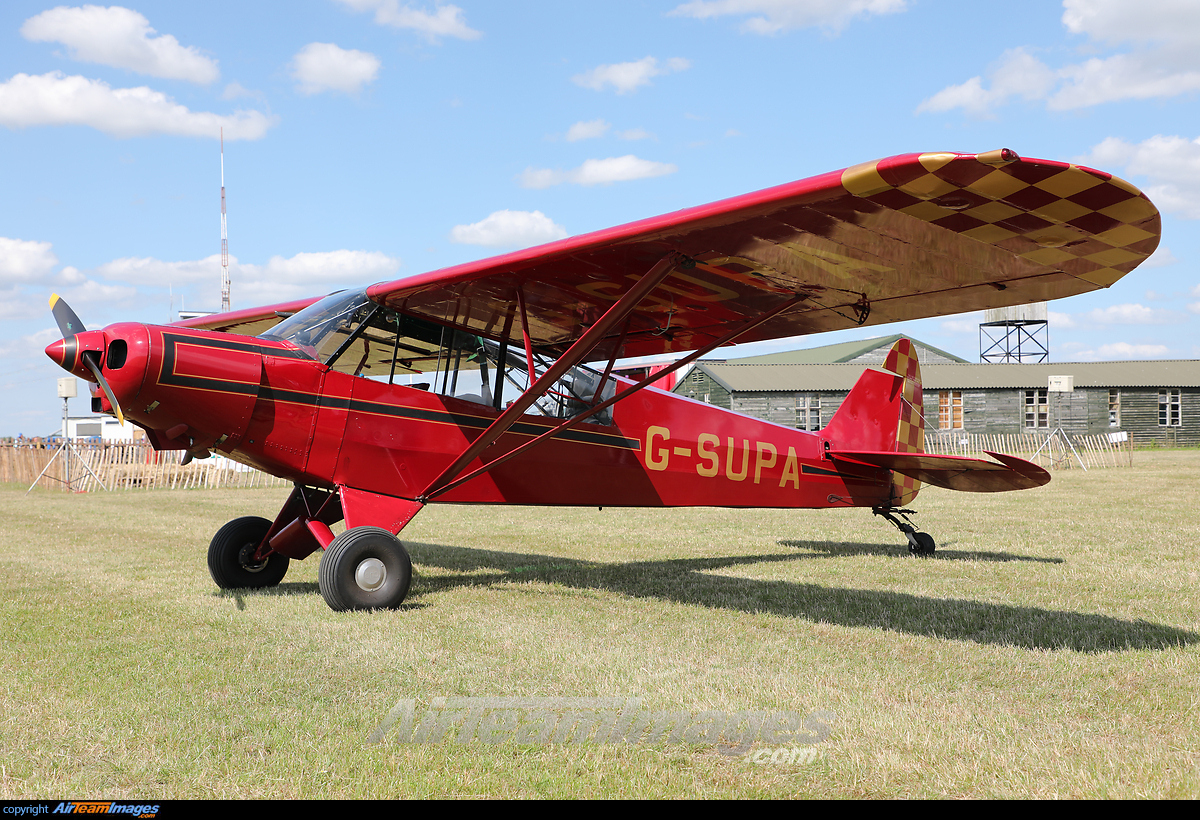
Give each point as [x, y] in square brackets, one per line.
[349, 333]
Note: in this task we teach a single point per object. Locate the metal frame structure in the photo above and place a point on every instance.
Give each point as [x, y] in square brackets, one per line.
[1018, 341]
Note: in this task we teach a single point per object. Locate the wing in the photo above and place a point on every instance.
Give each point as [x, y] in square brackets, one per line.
[250, 322]
[907, 237]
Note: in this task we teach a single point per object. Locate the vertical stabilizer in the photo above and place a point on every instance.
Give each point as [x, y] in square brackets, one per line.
[910, 434]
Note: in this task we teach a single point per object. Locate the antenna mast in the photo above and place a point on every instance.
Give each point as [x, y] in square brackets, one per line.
[224, 236]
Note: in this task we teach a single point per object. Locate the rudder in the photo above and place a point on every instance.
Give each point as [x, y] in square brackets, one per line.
[910, 433]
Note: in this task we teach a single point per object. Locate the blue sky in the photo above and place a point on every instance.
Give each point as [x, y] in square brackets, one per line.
[367, 140]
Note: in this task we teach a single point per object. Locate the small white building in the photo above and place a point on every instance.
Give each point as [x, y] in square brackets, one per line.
[103, 428]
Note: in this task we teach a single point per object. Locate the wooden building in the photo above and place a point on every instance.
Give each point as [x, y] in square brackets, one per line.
[1152, 401]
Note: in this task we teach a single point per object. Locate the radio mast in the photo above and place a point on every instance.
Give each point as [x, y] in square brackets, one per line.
[224, 236]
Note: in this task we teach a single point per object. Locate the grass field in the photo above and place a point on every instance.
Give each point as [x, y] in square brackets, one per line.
[1050, 649]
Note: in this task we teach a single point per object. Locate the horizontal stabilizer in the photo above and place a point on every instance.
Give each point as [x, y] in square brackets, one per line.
[973, 475]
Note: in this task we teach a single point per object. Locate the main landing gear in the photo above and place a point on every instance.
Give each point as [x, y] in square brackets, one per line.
[919, 543]
[364, 568]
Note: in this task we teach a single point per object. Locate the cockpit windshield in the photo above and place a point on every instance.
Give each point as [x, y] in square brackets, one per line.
[320, 328]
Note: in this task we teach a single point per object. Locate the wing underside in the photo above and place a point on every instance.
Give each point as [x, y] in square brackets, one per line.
[902, 238]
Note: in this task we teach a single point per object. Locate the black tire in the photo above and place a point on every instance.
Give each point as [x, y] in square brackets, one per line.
[925, 545]
[364, 568]
[229, 556]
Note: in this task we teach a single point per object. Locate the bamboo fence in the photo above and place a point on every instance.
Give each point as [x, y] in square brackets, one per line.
[1052, 451]
[124, 466]
[134, 466]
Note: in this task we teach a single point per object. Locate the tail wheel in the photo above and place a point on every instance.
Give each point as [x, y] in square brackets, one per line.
[231, 556]
[364, 568]
[924, 546]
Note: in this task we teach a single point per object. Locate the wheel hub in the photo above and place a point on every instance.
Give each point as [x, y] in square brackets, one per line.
[246, 559]
[370, 574]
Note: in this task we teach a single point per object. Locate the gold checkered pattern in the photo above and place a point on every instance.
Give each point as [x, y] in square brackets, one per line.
[910, 435]
[1086, 223]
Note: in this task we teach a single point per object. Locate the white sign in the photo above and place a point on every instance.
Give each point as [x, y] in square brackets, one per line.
[1117, 438]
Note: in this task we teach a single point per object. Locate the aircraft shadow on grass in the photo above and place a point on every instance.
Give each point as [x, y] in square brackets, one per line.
[835, 549]
[691, 581]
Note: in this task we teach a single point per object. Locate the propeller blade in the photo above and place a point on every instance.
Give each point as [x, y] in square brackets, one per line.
[103, 382]
[68, 322]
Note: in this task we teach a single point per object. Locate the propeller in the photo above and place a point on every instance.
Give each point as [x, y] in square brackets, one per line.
[70, 325]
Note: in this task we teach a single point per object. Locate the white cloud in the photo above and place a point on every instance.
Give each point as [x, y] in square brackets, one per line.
[150, 271]
[234, 90]
[626, 77]
[29, 348]
[1145, 21]
[1130, 314]
[280, 279]
[91, 292]
[509, 229]
[1161, 39]
[1121, 77]
[634, 134]
[590, 129]
[966, 323]
[1061, 321]
[24, 261]
[55, 99]
[1171, 163]
[1121, 350]
[776, 16]
[27, 277]
[120, 38]
[597, 172]
[341, 266]
[308, 274]
[1161, 258]
[325, 67]
[1016, 74]
[445, 20]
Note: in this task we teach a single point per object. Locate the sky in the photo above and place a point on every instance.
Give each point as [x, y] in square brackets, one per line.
[368, 140]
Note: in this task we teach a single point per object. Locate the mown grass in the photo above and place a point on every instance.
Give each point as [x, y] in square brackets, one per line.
[1050, 649]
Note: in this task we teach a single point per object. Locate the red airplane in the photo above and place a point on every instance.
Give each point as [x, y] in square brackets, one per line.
[322, 391]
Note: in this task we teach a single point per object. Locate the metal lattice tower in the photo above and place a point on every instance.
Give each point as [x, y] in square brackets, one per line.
[224, 236]
[1015, 335]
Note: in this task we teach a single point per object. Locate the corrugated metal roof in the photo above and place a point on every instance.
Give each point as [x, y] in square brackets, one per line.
[791, 378]
[834, 353]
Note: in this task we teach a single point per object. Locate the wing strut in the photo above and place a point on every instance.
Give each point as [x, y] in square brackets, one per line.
[728, 338]
[574, 355]
[525, 332]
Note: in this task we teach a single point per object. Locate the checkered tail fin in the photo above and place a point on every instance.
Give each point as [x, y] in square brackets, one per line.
[910, 433]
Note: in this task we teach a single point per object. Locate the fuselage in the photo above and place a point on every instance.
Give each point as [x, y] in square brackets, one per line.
[269, 404]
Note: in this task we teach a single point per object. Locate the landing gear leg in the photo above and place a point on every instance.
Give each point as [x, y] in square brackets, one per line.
[919, 543]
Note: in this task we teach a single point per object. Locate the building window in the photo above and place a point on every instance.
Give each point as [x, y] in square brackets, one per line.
[808, 412]
[950, 410]
[1037, 409]
[1170, 403]
[1114, 408]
